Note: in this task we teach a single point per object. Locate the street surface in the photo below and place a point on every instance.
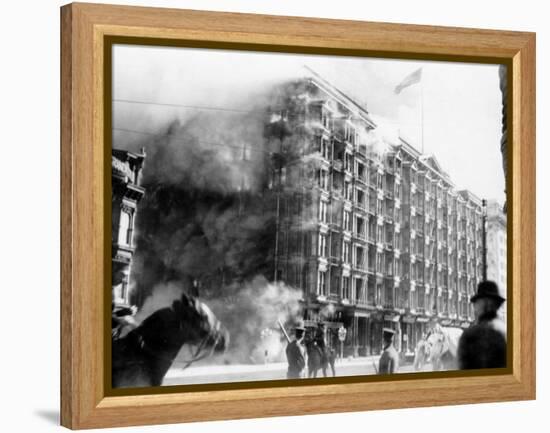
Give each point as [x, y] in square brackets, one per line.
[271, 371]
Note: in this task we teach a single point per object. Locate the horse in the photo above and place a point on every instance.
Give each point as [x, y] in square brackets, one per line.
[443, 346]
[143, 356]
[319, 359]
[421, 355]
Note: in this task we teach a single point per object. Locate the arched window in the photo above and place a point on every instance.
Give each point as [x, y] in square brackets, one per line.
[124, 228]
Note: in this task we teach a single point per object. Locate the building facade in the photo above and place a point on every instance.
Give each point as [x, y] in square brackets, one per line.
[496, 249]
[126, 194]
[374, 234]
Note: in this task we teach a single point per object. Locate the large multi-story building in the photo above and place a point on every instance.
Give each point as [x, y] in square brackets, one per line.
[374, 235]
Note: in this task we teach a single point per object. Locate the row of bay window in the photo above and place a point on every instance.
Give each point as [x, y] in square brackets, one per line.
[373, 291]
[331, 212]
[335, 245]
[345, 186]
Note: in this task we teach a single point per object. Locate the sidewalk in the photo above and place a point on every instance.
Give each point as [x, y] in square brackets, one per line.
[178, 372]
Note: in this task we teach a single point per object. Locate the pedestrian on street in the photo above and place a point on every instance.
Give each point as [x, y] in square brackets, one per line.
[483, 345]
[389, 361]
[319, 339]
[320, 336]
[296, 354]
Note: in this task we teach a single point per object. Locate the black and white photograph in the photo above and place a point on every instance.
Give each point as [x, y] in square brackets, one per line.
[288, 216]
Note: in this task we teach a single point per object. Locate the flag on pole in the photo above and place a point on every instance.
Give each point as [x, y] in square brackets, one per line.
[409, 80]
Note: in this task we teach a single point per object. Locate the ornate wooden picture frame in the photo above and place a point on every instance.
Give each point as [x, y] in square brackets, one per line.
[87, 34]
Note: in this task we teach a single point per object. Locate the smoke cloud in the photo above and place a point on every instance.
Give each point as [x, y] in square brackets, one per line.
[207, 222]
[252, 315]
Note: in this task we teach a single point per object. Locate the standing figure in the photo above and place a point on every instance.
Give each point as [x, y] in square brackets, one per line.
[295, 354]
[319, 339]
[483, 345]
[320, 336]
[389, 361]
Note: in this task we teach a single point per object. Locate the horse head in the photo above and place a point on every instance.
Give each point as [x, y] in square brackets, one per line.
[435, 346]
[198, 326]
[143, 357]
[443, 345]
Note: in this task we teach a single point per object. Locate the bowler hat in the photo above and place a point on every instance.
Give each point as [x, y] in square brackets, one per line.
[388, 332]
[487, 289]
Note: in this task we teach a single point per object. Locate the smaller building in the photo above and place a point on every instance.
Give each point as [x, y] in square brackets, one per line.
[126, 193]
[496, 248]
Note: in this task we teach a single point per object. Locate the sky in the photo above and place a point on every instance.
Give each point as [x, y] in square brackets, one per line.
[454, 112]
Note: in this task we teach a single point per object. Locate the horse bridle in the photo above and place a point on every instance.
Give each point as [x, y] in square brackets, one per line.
[216, 335]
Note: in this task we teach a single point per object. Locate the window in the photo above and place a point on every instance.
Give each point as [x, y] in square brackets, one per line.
[346, 251]
[360, 227]
[398, 191]
[325, 118]
[389, 265]
[349, 133]
[347, 190]
[372, 201]
[124, 228]
[379, 263]
[322, 251]
[380, 207]
[334, 282]
[360, 257]
[348, 162]
[361, 171]
[360, 198]
[379, 235]
[397, 241]
[322, 178]
[346, 288]
[347, 220]
[322, 283]
[323, 211]
[389, 234]
[380, 181]
[324, 148]
[335, 246]
[359, 290]
[372, 228]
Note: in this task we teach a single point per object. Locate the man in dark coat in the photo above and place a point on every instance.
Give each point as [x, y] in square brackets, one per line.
[296, 354]
[389, 361]
[320, 340]
[483, 345]
[320, 336]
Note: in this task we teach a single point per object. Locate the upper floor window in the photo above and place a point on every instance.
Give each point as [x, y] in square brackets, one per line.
[323, 211]
[124, 228]
[349, 133]
[322, 178]
[325, 118]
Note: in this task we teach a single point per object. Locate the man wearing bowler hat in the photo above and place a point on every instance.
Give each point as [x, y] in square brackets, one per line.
[483, 345]
[296, 354]
[389, 361]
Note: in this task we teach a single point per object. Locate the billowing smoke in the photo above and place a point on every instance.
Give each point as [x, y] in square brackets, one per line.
[252, 315]
[206, 224]
[162, 295]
